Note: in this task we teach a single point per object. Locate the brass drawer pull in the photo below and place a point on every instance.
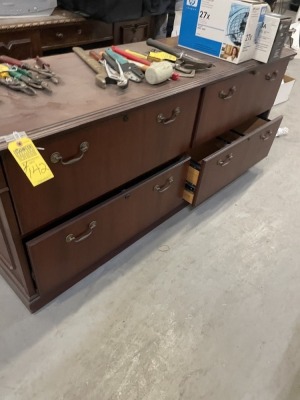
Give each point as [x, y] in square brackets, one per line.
[227, 160]
[226, 96]
[266, 135]
[271, 76]
[70, 238]
[56, 157]
[163, 120]
[59, 35]
[163, 188]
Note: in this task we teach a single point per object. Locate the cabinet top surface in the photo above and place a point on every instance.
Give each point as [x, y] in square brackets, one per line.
[77, 100]
[58, 17]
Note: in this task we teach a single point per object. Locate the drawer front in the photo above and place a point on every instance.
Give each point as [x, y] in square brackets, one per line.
[223, 106]
[265, 83]
[84, 32]
[222, 167]
[95, 159]
[20, 44]
[236, 99]
[132, 31]
[61, 254]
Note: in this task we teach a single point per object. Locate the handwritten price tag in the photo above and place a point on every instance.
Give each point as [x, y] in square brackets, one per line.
[30, 161]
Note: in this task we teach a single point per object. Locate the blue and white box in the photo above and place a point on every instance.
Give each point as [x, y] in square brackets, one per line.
[226, 29]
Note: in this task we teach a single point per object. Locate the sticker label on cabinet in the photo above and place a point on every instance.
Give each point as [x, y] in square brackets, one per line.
[30, 161]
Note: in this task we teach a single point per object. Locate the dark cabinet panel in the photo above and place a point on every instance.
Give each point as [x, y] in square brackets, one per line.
[60, 254]
[93, 160]
[230, 102]
[228, 156]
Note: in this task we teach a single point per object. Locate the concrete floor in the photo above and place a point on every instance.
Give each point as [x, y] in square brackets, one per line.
[206, 306]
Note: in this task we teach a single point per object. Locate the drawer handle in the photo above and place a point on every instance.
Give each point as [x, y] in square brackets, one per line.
[70, 238]
[266, 135]
[227, 160]
[225, 96]
[59, 35]
[56, 157]
[163, 188]
[272, 76]
[163, 120]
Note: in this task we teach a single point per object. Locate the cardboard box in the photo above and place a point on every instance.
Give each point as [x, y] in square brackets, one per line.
[227, 29]
[284, 90]
[272, 37]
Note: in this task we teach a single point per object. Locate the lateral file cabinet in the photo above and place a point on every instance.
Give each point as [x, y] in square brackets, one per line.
[123, 162]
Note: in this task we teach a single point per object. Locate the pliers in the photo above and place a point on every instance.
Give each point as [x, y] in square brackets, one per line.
[131, 71]
[28, 78]
[117, 76]
[12, 83]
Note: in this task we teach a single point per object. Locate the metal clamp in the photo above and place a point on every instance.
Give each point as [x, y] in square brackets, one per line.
[70, 238]
[164, 120]
[166, 186]
[57, 157]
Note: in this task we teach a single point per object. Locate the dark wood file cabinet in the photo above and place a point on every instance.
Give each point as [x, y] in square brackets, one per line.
[127, 161]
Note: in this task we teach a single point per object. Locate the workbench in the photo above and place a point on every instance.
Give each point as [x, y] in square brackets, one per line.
[123, 162]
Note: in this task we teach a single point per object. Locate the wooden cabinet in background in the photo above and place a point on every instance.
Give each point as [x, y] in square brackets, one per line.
[24, 38]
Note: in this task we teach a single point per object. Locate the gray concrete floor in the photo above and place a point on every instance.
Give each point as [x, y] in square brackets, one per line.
[206, 306]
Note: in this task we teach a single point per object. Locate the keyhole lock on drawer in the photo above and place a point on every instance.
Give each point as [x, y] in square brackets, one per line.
[161, 119]
[57, 157]
[59, 35]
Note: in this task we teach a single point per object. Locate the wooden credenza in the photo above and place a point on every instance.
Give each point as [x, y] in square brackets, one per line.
[123, 162]
[37, 36]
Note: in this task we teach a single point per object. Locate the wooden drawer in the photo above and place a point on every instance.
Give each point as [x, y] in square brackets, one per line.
[119, 150]
[63, 253]
[237, 99]
[132, 31]
[228, 156]
[70, 35]
[20, 44]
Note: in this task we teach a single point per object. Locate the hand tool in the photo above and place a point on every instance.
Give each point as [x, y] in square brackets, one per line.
[28, 78]
[136, 57]
[12, 83]
[131, 55]
[41, 65]
[23, 65]
[131, 71]
[189, 62]
[101, 77]
[119, 77]
[112, 67]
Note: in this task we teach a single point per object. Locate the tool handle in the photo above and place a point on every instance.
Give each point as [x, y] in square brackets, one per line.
[163, 47]
[11, 61]
[130, 56]
[95, 55]
[117, 57]
[41, 63]
[91, 62]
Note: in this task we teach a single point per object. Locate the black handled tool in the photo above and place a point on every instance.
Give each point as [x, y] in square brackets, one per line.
[189, 62]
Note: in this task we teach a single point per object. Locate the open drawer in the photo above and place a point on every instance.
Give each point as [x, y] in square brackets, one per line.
[223, 159]
[64, 254]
